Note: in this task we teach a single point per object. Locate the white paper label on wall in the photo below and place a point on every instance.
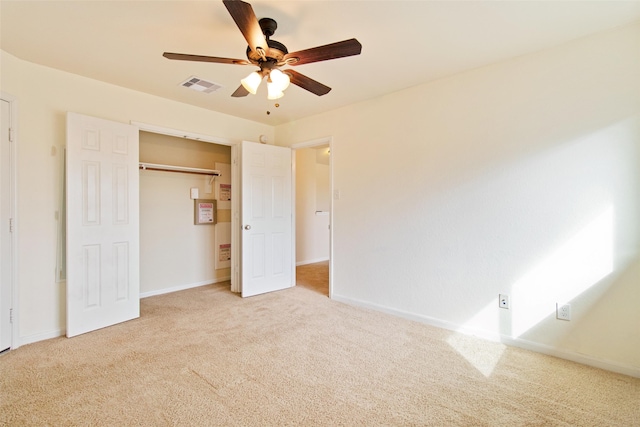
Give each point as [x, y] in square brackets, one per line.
[194, 193]
[225, 193]
[223, 245]
[223, 186]
[224, 252]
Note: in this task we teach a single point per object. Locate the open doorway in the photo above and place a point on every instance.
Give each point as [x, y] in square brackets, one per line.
[313, 216]
[175, 252]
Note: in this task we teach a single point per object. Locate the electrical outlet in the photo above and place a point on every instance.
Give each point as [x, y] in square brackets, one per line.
[563, 312]
[503, 301]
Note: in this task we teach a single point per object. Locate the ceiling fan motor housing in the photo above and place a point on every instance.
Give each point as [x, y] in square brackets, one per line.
[276, 50]
[275, 53]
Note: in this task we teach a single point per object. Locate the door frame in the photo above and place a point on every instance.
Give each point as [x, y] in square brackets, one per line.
[13, 203]
[328, 140]
[235, 204]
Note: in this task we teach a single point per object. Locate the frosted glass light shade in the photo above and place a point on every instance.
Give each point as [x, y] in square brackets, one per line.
[280, 79]
[251, 82]
[273, 91]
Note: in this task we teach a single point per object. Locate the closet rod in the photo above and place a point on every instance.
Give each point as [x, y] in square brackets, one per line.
[183, 169]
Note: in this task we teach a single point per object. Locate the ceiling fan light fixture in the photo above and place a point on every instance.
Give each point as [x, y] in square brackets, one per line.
[251, 82]
[280, 79]
[273, 91]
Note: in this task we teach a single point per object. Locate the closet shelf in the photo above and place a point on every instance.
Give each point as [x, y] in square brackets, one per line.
[182, 169]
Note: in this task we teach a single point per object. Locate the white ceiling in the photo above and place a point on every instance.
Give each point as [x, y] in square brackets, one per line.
[405, 43]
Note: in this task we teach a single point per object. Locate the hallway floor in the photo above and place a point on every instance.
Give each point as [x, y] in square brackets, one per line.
[314, 276]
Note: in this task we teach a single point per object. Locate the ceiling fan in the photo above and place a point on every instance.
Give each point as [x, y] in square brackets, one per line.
[270, 55]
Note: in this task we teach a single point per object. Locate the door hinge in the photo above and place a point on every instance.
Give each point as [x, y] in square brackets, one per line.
[10, 135]
[10, 225]
[11, 315]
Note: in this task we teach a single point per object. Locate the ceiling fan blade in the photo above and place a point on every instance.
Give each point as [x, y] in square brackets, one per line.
[201, 58]
[322, 53]
[307, 83]
[242, 13]
[240, 92]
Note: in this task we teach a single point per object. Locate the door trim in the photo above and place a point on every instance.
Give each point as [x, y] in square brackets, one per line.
[183, 134]
[328, 140]
[13, 198]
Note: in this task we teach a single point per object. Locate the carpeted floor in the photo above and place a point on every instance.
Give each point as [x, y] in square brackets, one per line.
[205, 356]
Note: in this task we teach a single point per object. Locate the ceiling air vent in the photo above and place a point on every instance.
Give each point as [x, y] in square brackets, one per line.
[200, 85]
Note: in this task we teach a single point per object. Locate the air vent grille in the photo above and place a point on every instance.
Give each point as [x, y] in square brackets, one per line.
[200, 85]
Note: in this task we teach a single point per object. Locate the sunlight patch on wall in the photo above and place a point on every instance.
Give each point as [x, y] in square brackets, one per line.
[580, 263]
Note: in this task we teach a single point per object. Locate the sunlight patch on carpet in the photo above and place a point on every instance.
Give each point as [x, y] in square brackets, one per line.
[482, 355]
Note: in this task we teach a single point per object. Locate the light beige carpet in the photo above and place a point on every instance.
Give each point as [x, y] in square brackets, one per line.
[208, 357]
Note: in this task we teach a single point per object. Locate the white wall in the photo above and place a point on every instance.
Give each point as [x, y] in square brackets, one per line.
[312, 192]
[44, 96]
[521, 178]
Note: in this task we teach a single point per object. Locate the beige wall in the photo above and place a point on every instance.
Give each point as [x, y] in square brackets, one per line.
[44, 96]
[521, 178]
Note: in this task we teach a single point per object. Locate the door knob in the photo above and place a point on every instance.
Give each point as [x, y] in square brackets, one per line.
[247, 227]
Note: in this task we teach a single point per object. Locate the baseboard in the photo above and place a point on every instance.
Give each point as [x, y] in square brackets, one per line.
[183, 287]
[583, 359]
[311, 261]
[30, 339]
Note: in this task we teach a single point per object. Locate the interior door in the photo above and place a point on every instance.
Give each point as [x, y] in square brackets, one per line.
[5, 229]
[103, 286]
[266, 218]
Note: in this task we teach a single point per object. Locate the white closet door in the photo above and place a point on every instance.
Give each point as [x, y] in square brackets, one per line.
[103, 285]
[266, 218]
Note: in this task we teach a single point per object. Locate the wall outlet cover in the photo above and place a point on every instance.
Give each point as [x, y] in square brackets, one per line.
[503, 301]
[563, 311]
